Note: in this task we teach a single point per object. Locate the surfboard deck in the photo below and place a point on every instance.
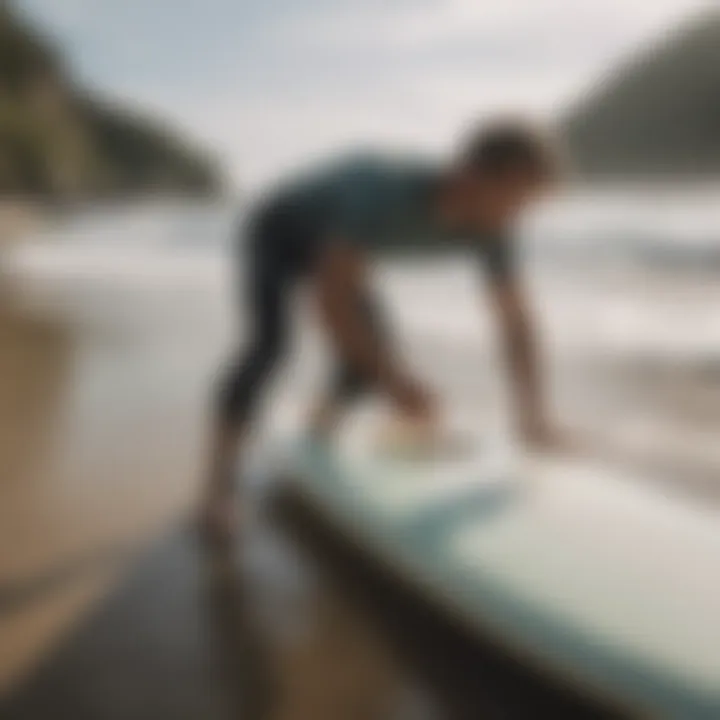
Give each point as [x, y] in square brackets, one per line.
[593, 576]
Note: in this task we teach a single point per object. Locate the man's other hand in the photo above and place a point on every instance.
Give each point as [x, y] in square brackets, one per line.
[415, 401]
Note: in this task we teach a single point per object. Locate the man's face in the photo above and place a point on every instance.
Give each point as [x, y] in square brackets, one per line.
[498, 201]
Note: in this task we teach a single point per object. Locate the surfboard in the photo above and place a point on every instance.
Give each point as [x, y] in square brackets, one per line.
[590, 574]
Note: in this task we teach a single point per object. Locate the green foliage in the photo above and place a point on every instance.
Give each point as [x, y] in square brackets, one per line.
[659, 115]
[56, 141]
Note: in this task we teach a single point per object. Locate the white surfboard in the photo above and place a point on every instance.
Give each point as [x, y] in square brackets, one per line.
[591, 574]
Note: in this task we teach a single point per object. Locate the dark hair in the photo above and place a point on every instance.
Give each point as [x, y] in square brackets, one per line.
[510, 146]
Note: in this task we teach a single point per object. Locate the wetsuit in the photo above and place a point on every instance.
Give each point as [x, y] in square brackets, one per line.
[371, 201]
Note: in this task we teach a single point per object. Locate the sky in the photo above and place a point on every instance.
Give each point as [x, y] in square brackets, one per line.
[269, 84]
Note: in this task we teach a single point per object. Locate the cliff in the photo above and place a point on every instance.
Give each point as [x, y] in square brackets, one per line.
[657, 115]
[59, 141]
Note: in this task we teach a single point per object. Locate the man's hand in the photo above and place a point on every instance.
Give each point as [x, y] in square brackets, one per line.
[414, 432]
[414, 401]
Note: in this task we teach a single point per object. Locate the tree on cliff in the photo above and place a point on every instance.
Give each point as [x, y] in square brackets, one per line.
[57, 140]
[657, 115]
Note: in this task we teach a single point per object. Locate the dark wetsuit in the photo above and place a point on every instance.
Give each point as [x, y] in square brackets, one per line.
[366, 200]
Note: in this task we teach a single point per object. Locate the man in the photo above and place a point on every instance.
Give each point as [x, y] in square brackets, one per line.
[325, 227]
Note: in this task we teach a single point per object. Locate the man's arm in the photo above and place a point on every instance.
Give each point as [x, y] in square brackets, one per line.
[518, 335]
[340, 278]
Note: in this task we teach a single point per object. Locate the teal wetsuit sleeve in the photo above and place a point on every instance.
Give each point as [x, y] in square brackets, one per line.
[352, 217]
[353, 207]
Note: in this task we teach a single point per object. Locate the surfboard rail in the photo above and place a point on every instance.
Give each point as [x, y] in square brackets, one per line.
[561, 572]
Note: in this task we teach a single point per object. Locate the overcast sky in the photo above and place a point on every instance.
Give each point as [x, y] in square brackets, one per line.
[270, 83]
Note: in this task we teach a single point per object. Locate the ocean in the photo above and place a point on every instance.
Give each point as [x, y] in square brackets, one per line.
[623, 284]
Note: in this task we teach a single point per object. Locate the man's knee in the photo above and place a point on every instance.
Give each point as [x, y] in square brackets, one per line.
[244, 382]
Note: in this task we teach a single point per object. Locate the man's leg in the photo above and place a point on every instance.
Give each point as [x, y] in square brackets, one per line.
[239, 392]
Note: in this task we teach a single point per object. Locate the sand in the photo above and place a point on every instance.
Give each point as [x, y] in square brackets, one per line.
[102, 422]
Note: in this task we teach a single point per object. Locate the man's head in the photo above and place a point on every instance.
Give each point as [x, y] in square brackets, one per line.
[501, 169]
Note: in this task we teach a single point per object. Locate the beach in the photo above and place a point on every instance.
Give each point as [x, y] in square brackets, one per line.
[109, 352]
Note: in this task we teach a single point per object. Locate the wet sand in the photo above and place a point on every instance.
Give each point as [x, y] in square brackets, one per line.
[101, 437]
[100, 459]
